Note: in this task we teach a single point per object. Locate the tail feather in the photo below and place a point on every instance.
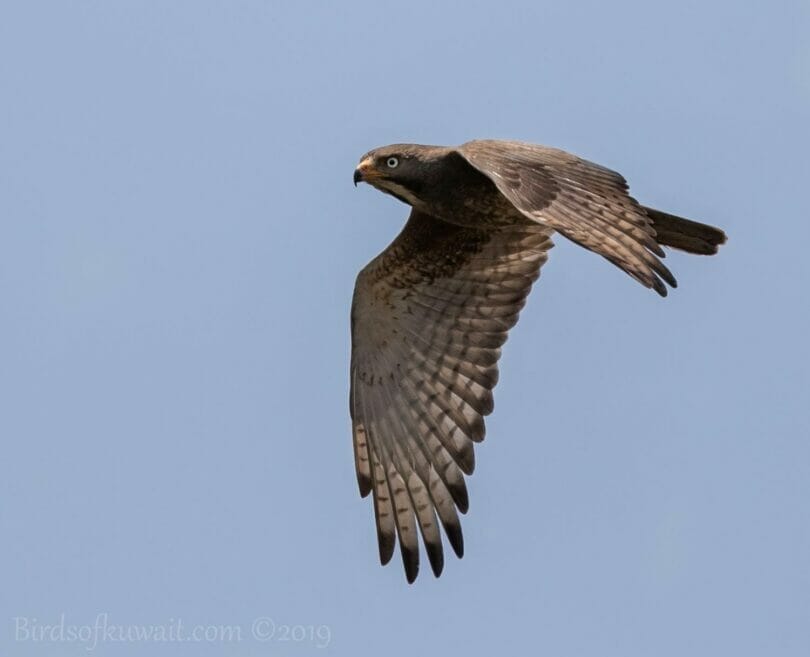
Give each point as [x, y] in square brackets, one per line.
[685, 234]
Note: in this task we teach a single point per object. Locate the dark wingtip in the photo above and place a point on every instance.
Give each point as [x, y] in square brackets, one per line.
[411, 569]
[478, 429]
[410, 559]
[386, 546]
[668, 277]
[436, 558]
[460, 496]
[456, 539]
[661, 275]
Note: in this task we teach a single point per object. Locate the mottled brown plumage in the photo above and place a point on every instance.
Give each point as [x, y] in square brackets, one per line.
[430, 313]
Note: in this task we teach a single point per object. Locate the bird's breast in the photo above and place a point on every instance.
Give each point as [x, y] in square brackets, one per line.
[479, 207]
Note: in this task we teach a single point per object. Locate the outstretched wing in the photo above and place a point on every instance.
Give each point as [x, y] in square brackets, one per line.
[587, 203]
[429, 316]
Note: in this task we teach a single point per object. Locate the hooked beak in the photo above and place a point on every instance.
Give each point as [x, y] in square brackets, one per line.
[365, 171]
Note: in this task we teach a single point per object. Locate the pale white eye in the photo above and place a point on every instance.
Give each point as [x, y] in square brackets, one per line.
[392, 162]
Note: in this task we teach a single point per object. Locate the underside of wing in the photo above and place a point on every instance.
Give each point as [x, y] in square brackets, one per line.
[429, 317]
[585, 202]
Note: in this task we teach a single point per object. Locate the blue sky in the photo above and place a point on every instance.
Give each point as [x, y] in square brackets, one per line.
[180, 238]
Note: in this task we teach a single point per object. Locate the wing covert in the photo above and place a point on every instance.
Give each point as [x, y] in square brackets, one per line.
[585, 202]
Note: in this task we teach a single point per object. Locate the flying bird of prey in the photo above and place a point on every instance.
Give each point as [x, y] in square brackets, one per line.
[431, 312]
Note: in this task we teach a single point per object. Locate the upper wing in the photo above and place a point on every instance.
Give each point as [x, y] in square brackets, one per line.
[587, 203]
[429, 316]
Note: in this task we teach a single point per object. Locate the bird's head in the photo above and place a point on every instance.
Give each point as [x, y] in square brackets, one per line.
[402, 170]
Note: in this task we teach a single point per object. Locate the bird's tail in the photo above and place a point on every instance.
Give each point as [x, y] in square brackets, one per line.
[684, 234]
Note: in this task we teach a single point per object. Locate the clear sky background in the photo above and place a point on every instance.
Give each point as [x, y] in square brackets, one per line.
[179, 241]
